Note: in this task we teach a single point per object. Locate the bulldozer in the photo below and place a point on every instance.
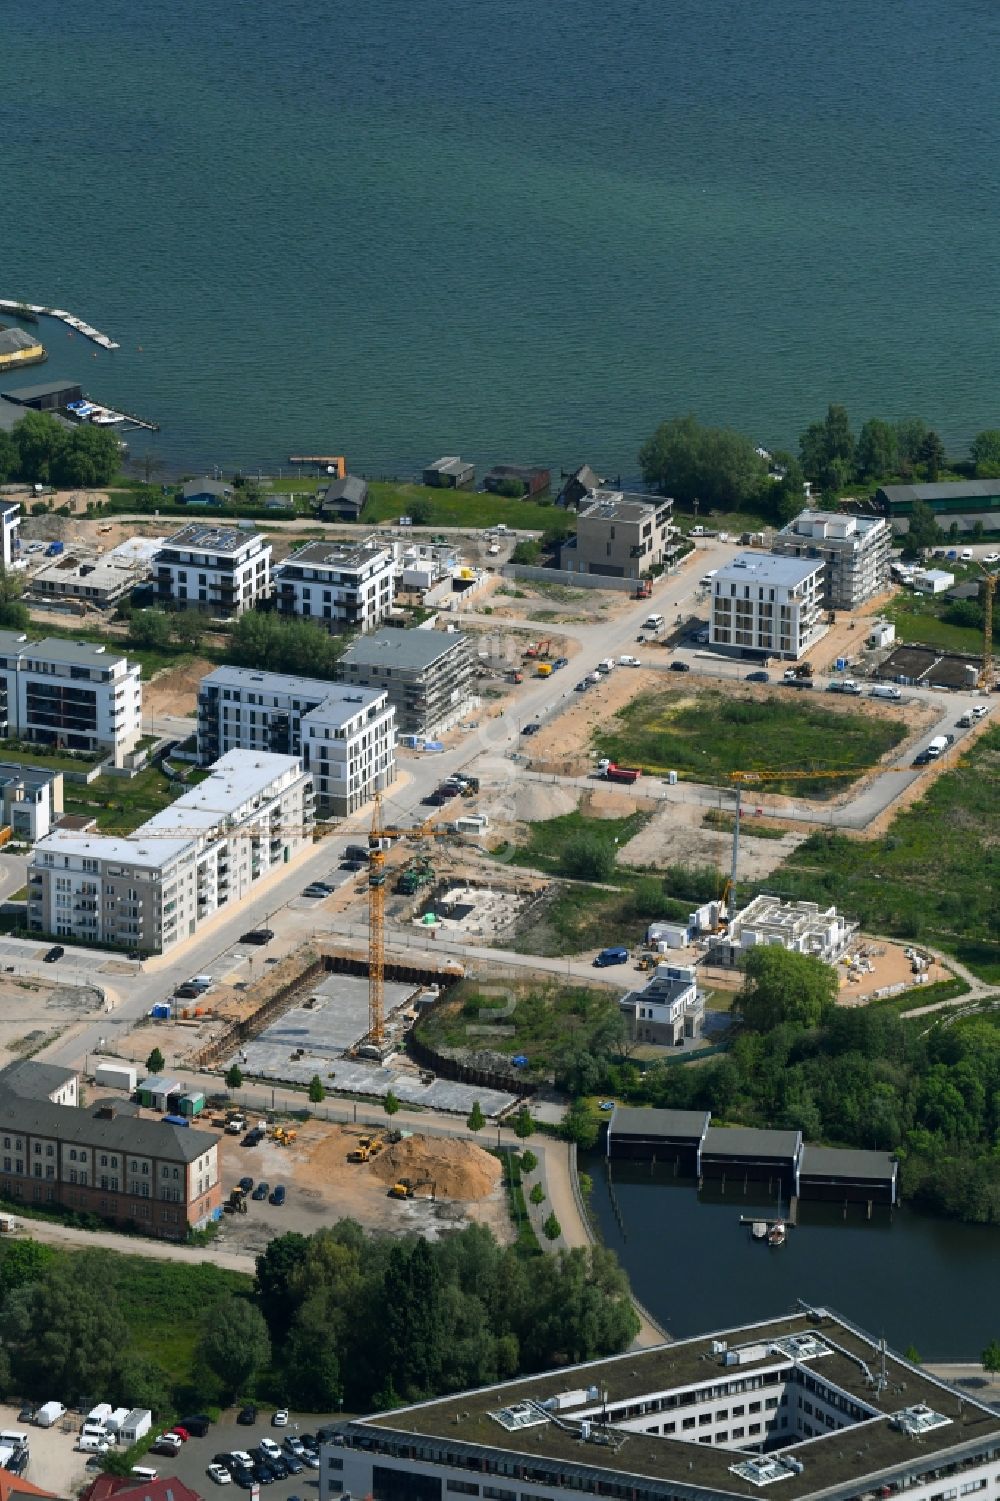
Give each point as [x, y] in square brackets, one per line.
[367, 1148]
[283, 1136]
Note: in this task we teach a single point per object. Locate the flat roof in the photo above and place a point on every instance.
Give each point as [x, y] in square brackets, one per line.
[751, 1141]
[41, 388]
[393, 647]
[846, 1162]
[11, 413]
[768, 568]
[203, 536]
[973, 489]
[815, 1343]
[134, 850]
[73, 653]
[232, 781]
[633, 1120]
[336, 554]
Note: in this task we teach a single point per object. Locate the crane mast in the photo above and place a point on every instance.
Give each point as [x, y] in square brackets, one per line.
[989, 589]
[376, 929]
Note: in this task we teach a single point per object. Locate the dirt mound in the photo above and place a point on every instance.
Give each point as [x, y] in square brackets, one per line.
[458, 1169]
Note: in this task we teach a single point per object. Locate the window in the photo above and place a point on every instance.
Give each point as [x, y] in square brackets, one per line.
[460, 1487]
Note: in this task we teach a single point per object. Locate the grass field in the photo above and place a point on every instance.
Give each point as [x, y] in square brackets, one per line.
[935, 875]
[547, 840]
[387, 502]
[151, 659]
[36, 755]
[534, 1019]
[120, 805]
[165, 1304]
[706, 735]
[917, 621]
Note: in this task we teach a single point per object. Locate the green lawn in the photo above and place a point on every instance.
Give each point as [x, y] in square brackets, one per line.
[706, 735]
[577, 918]
[37, 755]
[933, 877]
[120, 805]
[387, 502]
[165, 1304]
[548, 839]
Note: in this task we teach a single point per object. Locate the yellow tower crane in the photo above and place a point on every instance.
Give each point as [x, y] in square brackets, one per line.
[986, 676]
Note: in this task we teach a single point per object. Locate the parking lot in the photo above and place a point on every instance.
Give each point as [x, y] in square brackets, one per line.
[191, 1464]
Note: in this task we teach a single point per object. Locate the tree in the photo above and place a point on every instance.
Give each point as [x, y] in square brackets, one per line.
[301, 647]
[991, 1356]
[280, 1272]
[782, 987]
[828, 450]
[528, 1161]
[477, 1119]
[715, 466]
[21, 1262]
[420, 511]
[66, 1332]
[8, 456]
[317, 1094]
[910, 434]
[786, 496]
[235, 1344]
[511, 487]
[932, 455]
[985, 448]
[390, 1104]
[552, 1228]
[87, 456]
[581, 1124]
[39, 440]
[537, 1194]
[189, 628]
[912, 1354]
[156, 1062]
[587, 857]
[877, 449]
[923, 530]
[150, 628]
[234, 1077]
[524, 1126]
[14, 616]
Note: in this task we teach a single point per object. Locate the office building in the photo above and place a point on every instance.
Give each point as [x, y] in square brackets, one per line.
[619, 535]
[154, 888]
[808, 1406]
[668, 1009]
[102, 1159]
[344, 586]
[427, 675]
[345, 735]
[71, 694]
[768, 606]
[208, 566]
[855, 550]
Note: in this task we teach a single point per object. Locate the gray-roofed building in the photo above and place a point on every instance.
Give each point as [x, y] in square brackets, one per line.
[964, 502]
[103, 1160]
[31, 799]
[619, 535]
[210, 566]
[18, 348]
[45, 396]
[426, 674]
[343, 499]
[11, 414]
[661, 1135]
[205, 492]
[751, 1151]
[806, 1405]
[578, 486]
[450, 473]
[768, 606]
[532, 478]
[41, 1081]
[855, 549]
[345, 586]
[842, 1173]
[668, 1009]
[72, 694]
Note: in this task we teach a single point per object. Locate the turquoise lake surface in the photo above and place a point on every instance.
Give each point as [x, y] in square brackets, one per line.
[524, 230]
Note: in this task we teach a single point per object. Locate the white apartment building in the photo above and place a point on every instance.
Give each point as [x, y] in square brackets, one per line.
[72, 694]
[10, 521]
[768, 606]
[855, 549]
[222, 570]
[345, 735]
[152, 889]
[807, 1406]
[346, 587]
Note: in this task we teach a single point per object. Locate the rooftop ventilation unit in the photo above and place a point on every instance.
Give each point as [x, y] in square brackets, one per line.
[521, 1415]
[919, 1420]
[763, 1470]
[801, 1346]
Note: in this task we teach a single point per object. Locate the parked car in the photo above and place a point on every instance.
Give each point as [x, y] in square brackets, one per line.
[560, 662]
[240, 1456]
[758, 677]
[254, 1138]
[611, 956]
[677, 666]
[434, 800]
[187, 992]
[262, 1472]
[219, 1474]
[258, 936]
[278, 1198]
[317, 889]
[178, 1431]
[356, 852]
[54, 953]
[293, 1464]
[244, 1478]
[246, 1184]
[267, 1446]
[357, 864]
[168, 1444]
[247, 1415]
[260, 1192]
[310, 1457]
[294, 1445]
[279, 1464]
[529, 729]
[581, 686]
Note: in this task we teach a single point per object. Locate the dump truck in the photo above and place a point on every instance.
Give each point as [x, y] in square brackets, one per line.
[643, 589]
[612, 772]
[367, 1148]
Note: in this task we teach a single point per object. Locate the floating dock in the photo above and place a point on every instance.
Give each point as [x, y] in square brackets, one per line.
[8, 305]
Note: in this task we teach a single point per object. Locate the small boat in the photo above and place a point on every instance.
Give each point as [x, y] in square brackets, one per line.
[776, 1234]
[758, 1230]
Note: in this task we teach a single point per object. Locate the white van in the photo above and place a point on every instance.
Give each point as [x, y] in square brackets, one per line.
[653, 623]
[939, 744]
[89, 1443]
[608, 665]
[886, 690]
[627, 661]
[144, 1472]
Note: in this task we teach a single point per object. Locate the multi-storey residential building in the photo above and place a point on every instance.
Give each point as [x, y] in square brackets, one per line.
[145, 892]
[668, 1009]
[10, 521]
[344, 586]
[427, 675]
[31, 799]
[619, 535]
[808, 1406]
[855, 549]
[346, 736]
[768, 606]
[68, 693]
[220, 569]
[103, 1159]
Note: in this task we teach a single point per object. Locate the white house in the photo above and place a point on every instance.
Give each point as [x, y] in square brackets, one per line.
[345, 586]
[932, 580]
[803, 927]
[71, 694]
[768, 605]
[668, 1009]
[208, 566]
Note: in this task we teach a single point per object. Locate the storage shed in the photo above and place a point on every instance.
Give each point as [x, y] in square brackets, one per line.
[156, 1091]
[659, 1135]
[136, 1426]
[192, 1104]
[449, 473]
[116, 1076]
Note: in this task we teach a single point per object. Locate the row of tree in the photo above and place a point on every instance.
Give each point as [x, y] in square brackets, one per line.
[40, 450]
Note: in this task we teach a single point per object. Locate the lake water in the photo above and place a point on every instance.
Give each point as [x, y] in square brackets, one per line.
[513, 230]
[927, 1282]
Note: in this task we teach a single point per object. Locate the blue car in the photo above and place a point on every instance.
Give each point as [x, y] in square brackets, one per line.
[611, 956]
[278, 1196]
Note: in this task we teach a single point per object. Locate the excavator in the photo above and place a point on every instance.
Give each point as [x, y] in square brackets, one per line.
[406, 1188]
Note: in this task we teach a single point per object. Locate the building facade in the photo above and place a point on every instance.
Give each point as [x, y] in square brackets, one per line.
[103, 1159]
[427, 675]
[208, 849]
[344, 587]
[768, 606]
[667, 1010]
[10, 522]
[219, 569]
[619, 535]
[450, 473]
[808, 1406]
[31, 800]
[345, 736]
[71, 694]
[855, 549]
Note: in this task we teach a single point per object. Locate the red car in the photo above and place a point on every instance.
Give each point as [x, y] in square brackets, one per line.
[181, 1433]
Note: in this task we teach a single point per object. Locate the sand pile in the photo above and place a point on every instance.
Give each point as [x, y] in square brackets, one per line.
[458, 1169]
